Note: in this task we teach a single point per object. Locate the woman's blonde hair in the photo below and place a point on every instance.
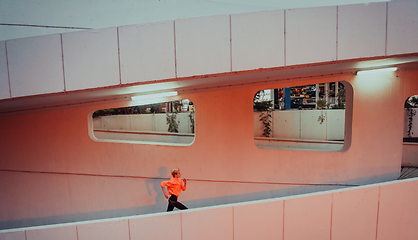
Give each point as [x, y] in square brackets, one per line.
[175, 171]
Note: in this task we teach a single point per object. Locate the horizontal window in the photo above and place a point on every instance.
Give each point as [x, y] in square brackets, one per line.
[313, 117]
[166, 123]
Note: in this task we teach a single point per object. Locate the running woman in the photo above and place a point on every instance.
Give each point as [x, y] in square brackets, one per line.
[174, 187]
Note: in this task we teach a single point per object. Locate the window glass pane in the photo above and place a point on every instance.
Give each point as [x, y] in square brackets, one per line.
[411, 120]
[166, 123]
[311, 117]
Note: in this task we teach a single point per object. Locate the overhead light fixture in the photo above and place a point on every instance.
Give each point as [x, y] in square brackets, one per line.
[153, 98]
[380, 70]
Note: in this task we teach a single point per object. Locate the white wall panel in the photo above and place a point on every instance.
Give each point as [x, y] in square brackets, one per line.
[257, 40]
[310, 127]
[335, 124]
[147, 52]
[91, 59]
[354, 214]
[310, 35]
[116, 122]
[308, 217]
[361, 30]
[262, 220]
[4, 75]
[215, 223]
[19, 235]
[102, 14]
[111, 230]
[286, 124]
[167, 226]
[53, 233]
[160, 123]
[398, 211]
[184, 122]
[402, 27]
[203, 45]
[143, 122]
[35, 65]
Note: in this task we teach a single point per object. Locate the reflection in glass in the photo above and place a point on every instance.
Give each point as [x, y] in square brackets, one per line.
[310, 117]
[167, 123]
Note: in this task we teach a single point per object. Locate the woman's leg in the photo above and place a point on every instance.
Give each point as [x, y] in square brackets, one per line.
[170, 206]
[179, 205]
[172, 202]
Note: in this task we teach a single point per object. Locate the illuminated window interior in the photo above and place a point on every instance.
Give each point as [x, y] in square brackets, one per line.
[311, 117]
[411, 120]
[166, 123]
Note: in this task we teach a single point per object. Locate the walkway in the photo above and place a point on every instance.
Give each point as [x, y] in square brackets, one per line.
[408, 172]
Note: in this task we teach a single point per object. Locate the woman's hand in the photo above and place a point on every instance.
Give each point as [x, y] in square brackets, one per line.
[165, 192]
[184, 181]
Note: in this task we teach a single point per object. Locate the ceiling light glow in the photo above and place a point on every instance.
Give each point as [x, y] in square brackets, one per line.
[157, 95]
[380, 70]
[153, 98]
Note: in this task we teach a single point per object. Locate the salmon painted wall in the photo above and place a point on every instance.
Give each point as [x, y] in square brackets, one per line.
[51, 171]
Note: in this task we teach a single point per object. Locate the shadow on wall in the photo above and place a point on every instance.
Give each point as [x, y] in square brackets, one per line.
[161, 203]
[156, 186]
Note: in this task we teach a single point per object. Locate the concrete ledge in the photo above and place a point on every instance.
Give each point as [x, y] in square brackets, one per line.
[346, 214]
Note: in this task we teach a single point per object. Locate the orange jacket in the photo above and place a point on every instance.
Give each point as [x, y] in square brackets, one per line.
[174, 186]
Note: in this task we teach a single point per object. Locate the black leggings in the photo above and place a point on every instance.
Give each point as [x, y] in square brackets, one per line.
[172, 202]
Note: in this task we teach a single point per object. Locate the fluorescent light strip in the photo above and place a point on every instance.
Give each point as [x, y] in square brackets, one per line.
[380, 70]
[152, 96]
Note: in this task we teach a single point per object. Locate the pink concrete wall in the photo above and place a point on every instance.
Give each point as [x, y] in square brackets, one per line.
[373, 212]
[99, 180]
